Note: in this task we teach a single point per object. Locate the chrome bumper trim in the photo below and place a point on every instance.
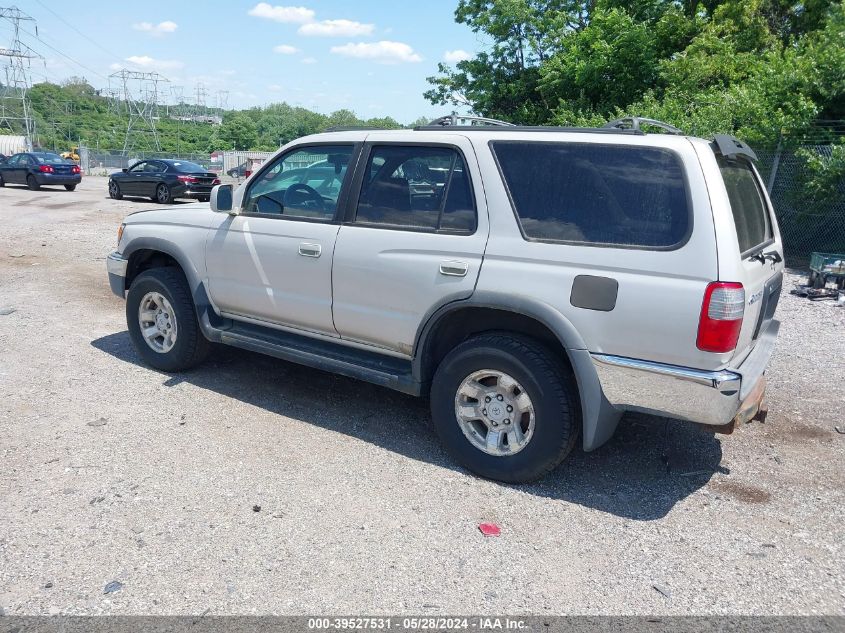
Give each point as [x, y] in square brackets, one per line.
[708, 397]
[116, 264]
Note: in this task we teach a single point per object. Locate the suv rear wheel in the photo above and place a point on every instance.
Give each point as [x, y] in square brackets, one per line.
[162, 321]
[504, 407]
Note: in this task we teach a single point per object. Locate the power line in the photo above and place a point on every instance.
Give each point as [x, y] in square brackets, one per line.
[68, 57]
[68, 24]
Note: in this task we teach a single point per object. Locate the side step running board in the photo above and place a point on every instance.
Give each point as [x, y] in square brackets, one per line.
[386, 371]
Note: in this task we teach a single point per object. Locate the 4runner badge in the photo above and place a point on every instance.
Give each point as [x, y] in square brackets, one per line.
[755, 298]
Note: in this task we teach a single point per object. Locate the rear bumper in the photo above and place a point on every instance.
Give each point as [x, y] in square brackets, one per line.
[706, 397]
[58, 179]
[192, 191]
[116, 266]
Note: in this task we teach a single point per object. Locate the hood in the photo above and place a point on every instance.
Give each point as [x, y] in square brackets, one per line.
[192, 214]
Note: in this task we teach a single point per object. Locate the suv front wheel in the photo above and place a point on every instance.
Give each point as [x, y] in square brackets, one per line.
[162, 321]
[504, 407]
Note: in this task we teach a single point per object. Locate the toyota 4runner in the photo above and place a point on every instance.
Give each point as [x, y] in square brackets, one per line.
[534, 283]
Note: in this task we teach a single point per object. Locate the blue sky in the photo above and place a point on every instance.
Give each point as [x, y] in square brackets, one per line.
[368, 56]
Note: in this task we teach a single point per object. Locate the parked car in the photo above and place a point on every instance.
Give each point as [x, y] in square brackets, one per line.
[36, 169]
[163, 181]
[596, 271]
[237, 172]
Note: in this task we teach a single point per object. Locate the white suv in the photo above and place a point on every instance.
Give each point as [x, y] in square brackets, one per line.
[535, 283]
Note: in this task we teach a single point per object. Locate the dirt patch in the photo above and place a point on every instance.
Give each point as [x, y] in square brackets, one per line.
[742, 492]
[808, 432]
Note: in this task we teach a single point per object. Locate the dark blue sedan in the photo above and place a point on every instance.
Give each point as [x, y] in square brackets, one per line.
[35, 169]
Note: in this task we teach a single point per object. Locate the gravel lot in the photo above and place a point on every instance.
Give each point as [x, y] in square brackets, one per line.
[112, 471]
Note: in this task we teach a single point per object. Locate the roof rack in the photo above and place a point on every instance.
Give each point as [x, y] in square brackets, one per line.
[636, 123]
[455, 119]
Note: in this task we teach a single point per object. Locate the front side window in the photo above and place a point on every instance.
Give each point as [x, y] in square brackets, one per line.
[305, 183]
[753, 226]
[417, 188]
[138, 168]
[588, 193]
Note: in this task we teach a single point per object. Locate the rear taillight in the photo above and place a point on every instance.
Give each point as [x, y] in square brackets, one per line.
[216, 181]
[188, 179]
[75, 169]
[45, 169]
[721, 317]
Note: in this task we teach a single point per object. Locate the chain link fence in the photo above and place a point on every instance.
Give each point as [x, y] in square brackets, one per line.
[104, 162]
[806, 224]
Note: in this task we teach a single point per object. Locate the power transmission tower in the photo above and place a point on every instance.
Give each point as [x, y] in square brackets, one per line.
[222, 100]
[177, 98]
[139, 98]
[15, 111]
[201, 96]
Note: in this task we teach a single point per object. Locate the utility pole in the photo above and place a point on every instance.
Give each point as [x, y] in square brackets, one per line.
[15, 111]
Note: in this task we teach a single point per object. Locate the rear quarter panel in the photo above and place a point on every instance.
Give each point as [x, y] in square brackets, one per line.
[660, 292]
[732, 267]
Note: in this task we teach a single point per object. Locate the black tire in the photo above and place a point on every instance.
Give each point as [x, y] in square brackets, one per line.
[547, 382]
[191, 346]
[70, 187]
[114, 191]
[32, 183]
[163, 194]
[2, 182]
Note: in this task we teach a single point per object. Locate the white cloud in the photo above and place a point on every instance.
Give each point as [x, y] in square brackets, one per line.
[336, 28]
[285, 49]
[286, 15]
[147, 62]
[274, 88]
[156, 30]
[458, 55]
[383, 52]
[309, 60]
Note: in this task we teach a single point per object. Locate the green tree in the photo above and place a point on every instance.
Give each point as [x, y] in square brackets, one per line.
[238, 131]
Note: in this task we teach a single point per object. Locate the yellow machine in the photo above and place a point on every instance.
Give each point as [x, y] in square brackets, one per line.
[73, 154]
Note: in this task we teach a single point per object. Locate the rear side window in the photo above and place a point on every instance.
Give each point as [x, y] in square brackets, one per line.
[753, 226]
[612, 195]
[417, 188]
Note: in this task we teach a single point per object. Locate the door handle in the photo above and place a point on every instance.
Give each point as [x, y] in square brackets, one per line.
[310, 250]
[454, 268]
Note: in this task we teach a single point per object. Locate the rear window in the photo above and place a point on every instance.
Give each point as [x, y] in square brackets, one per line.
[612, 195]
[49, 159]
[753, 226]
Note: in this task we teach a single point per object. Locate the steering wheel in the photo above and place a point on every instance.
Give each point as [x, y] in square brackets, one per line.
[299, 194]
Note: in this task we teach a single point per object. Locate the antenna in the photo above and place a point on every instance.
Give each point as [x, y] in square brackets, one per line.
[15, 110]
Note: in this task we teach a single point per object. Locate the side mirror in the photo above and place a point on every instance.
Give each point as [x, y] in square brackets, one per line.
[124, 170]
[221, 199]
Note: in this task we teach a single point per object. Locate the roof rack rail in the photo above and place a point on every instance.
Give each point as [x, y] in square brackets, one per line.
[351, 128]
[636, 123]
[466, 121]
[527, 128]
